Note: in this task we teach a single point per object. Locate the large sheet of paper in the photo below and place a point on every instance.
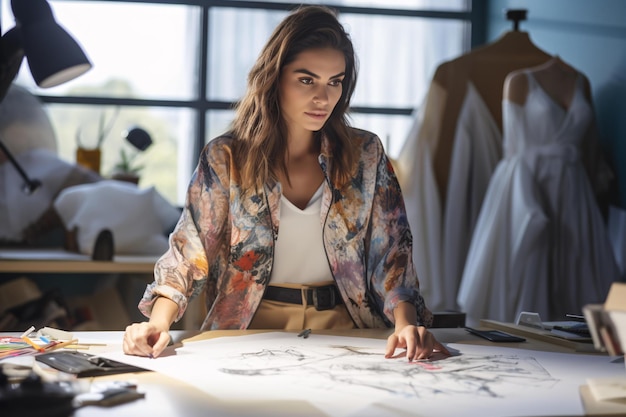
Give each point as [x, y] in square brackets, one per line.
[347, 376]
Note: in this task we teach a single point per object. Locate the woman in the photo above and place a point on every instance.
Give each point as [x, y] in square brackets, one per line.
[293, 219]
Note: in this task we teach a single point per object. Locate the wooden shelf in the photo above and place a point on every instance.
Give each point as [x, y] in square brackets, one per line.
[60, 261]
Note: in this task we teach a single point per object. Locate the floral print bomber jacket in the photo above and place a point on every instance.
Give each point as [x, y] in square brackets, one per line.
[223, 243]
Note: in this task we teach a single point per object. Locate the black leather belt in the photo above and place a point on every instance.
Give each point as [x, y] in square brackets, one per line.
[323, 298]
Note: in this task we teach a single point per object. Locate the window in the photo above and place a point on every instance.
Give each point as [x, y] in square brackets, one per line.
[152, 61]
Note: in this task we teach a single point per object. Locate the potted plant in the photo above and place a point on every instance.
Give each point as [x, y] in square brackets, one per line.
[126, 169]
[90, 157]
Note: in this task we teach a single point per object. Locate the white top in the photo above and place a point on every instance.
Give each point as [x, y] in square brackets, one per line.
[299, 255]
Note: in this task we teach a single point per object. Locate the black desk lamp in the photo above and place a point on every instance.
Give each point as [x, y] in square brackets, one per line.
[54, 57]
[30, 185]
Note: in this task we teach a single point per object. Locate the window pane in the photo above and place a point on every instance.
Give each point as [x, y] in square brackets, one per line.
[398, 56]
[152, 48]
[391, 129]
[218, 122]
[165, 162]
[236, 39]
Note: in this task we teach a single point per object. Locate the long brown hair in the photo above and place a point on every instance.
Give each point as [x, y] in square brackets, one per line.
[258, 128]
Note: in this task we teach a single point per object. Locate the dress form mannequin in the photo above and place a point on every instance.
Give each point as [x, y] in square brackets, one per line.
[486, 68]
[449, 156]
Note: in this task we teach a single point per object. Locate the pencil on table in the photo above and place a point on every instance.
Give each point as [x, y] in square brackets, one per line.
[62, 344]
[85, 345]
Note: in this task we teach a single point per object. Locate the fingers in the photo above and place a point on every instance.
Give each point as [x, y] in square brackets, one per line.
[161, 344]
[136, 340]
[431, 348]
[412, 347]
[441, 348]
[424, 344]
[420, 344]
[140, 339]
[408, 338]
[392, 343]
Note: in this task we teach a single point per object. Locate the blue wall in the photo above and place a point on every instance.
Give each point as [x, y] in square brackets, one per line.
[591, 36]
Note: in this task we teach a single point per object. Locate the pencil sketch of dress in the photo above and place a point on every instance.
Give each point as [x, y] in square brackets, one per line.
[540, 243]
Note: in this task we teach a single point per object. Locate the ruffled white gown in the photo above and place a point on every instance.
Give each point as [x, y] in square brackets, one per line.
[540, 243]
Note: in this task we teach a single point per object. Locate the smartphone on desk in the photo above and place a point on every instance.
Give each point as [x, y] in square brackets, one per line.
[495, 335]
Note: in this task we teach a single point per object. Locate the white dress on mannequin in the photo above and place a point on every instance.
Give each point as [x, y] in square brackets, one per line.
[540, 242]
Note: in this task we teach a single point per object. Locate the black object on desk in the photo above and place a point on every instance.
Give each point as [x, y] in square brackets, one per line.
[34, 398]
[495, 335]
[580, 329]
[104, 247]
[85, 364]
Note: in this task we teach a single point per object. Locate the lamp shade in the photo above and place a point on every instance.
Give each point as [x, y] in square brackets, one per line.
[11, 56]
[54, 57]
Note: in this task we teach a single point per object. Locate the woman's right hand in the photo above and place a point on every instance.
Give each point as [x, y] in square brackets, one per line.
[145, 339]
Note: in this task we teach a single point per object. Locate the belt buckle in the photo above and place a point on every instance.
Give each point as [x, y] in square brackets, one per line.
[324, 298]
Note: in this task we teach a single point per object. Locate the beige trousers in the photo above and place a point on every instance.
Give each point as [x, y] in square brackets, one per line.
[287, 316]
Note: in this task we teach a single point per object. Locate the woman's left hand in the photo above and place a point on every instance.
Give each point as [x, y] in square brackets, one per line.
[418, 342]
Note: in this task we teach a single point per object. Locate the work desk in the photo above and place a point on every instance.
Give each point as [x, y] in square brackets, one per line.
[166, 396]
[52, 260]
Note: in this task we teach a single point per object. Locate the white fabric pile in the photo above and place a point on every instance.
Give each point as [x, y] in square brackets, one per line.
[138, 218]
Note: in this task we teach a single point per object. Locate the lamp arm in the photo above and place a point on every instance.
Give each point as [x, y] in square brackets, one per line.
[30, 185]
